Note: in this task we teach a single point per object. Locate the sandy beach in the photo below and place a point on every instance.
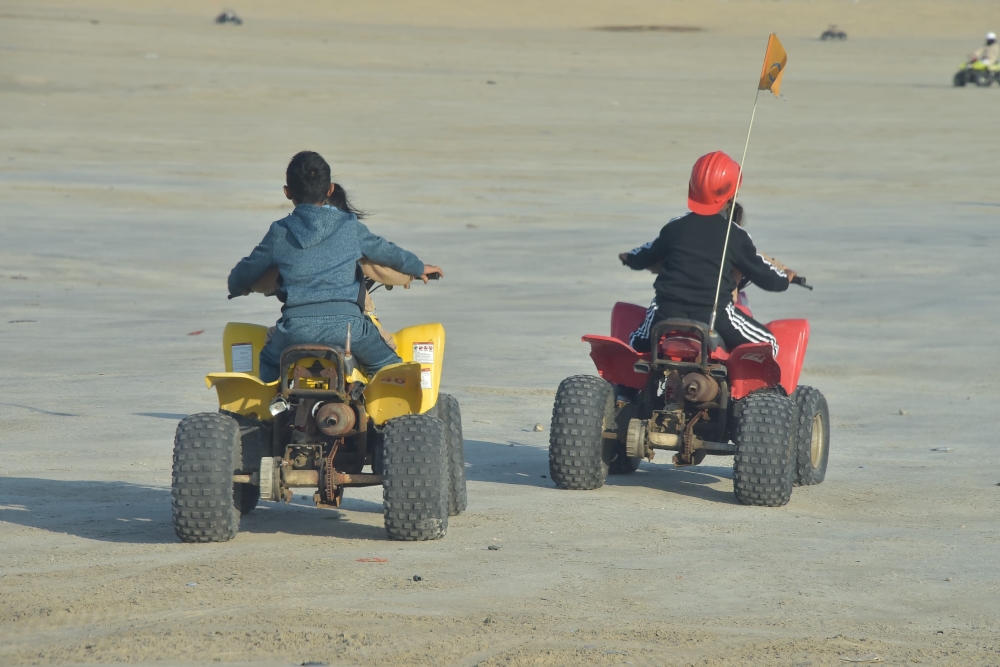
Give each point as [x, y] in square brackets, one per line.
[142, 154]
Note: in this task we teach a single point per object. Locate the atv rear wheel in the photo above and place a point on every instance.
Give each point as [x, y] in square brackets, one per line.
[764, 465]
[415, 478]
[583, 410]
[206, 452]
[812, 437]
[451, 416]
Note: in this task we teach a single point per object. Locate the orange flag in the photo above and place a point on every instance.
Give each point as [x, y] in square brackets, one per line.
[774, 66]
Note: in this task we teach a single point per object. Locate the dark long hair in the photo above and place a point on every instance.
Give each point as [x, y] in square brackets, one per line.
[738, 214]
[341, 201]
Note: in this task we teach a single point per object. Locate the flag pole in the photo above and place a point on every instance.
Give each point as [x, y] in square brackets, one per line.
[732, 210]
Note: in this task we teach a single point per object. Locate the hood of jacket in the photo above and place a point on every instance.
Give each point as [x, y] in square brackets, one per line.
[310, 225]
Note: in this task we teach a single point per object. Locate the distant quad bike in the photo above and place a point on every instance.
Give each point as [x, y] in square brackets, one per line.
[833, 33]
[694, 397]
[977, 72]
[318, 427]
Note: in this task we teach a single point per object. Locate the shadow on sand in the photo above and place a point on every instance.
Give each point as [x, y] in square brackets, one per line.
[136, 514]
[171, 416]
[127, 513]
[40, 411]
[529, 465]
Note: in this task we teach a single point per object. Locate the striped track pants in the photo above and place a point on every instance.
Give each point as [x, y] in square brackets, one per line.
[734, 327]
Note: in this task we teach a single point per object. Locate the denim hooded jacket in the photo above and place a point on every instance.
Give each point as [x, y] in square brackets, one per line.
[316, 250]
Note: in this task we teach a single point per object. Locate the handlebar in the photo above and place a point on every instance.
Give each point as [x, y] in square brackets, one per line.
[801, 282]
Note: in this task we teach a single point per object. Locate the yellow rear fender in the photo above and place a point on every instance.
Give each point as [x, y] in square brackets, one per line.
[393, 392]
[400, 389]
[356, 375]
[424, 344]
[243, 394]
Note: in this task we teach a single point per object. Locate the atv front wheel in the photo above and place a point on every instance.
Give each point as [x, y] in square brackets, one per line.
[583, 410]
[812, 437]
[415, 478]
[764, 465]
[451, 416]
[206, 452]
[959, 80]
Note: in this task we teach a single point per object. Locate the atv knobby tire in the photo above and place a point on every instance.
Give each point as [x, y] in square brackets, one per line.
[764, 465]
[583, 409]
[451, 416]
[812, 437]
[255, 443]
[415, 479]
[206, 452]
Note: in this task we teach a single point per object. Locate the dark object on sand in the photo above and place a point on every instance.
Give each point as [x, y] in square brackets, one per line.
[229, 16]
[833, 33]
[417, 577]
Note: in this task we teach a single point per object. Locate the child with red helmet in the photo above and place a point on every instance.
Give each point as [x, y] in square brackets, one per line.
[688, 251]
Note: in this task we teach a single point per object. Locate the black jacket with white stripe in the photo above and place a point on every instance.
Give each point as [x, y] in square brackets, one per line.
[688, 251]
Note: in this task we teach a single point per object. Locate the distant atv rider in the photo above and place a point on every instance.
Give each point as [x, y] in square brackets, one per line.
[988, 53]
[317, 249]
[688, 251]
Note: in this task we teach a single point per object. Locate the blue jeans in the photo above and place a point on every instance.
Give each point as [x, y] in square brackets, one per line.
[367, 344]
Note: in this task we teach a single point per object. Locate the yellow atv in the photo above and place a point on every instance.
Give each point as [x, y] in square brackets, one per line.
[977, 72]
[319, 426]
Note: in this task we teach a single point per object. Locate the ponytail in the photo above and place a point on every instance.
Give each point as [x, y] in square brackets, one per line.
[341, 201]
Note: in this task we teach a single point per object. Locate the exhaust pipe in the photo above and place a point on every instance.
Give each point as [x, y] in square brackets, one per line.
[334, 418]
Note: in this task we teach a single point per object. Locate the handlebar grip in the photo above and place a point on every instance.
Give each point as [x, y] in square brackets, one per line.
[433, 276]
[801, 281]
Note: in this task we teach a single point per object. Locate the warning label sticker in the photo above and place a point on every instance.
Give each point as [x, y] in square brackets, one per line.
[423, 353]
[426, 379]
[243, 358]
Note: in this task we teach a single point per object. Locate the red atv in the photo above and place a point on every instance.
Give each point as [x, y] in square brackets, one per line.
[692, 396]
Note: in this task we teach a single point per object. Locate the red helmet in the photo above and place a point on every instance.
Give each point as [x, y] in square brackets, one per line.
[714, 180]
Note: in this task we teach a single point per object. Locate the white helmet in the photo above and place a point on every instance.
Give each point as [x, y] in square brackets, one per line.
[991, 37]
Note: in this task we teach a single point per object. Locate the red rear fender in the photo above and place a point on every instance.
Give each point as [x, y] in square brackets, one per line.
[751, 366]
[793, 337]
[614, 360]
[626, 318]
